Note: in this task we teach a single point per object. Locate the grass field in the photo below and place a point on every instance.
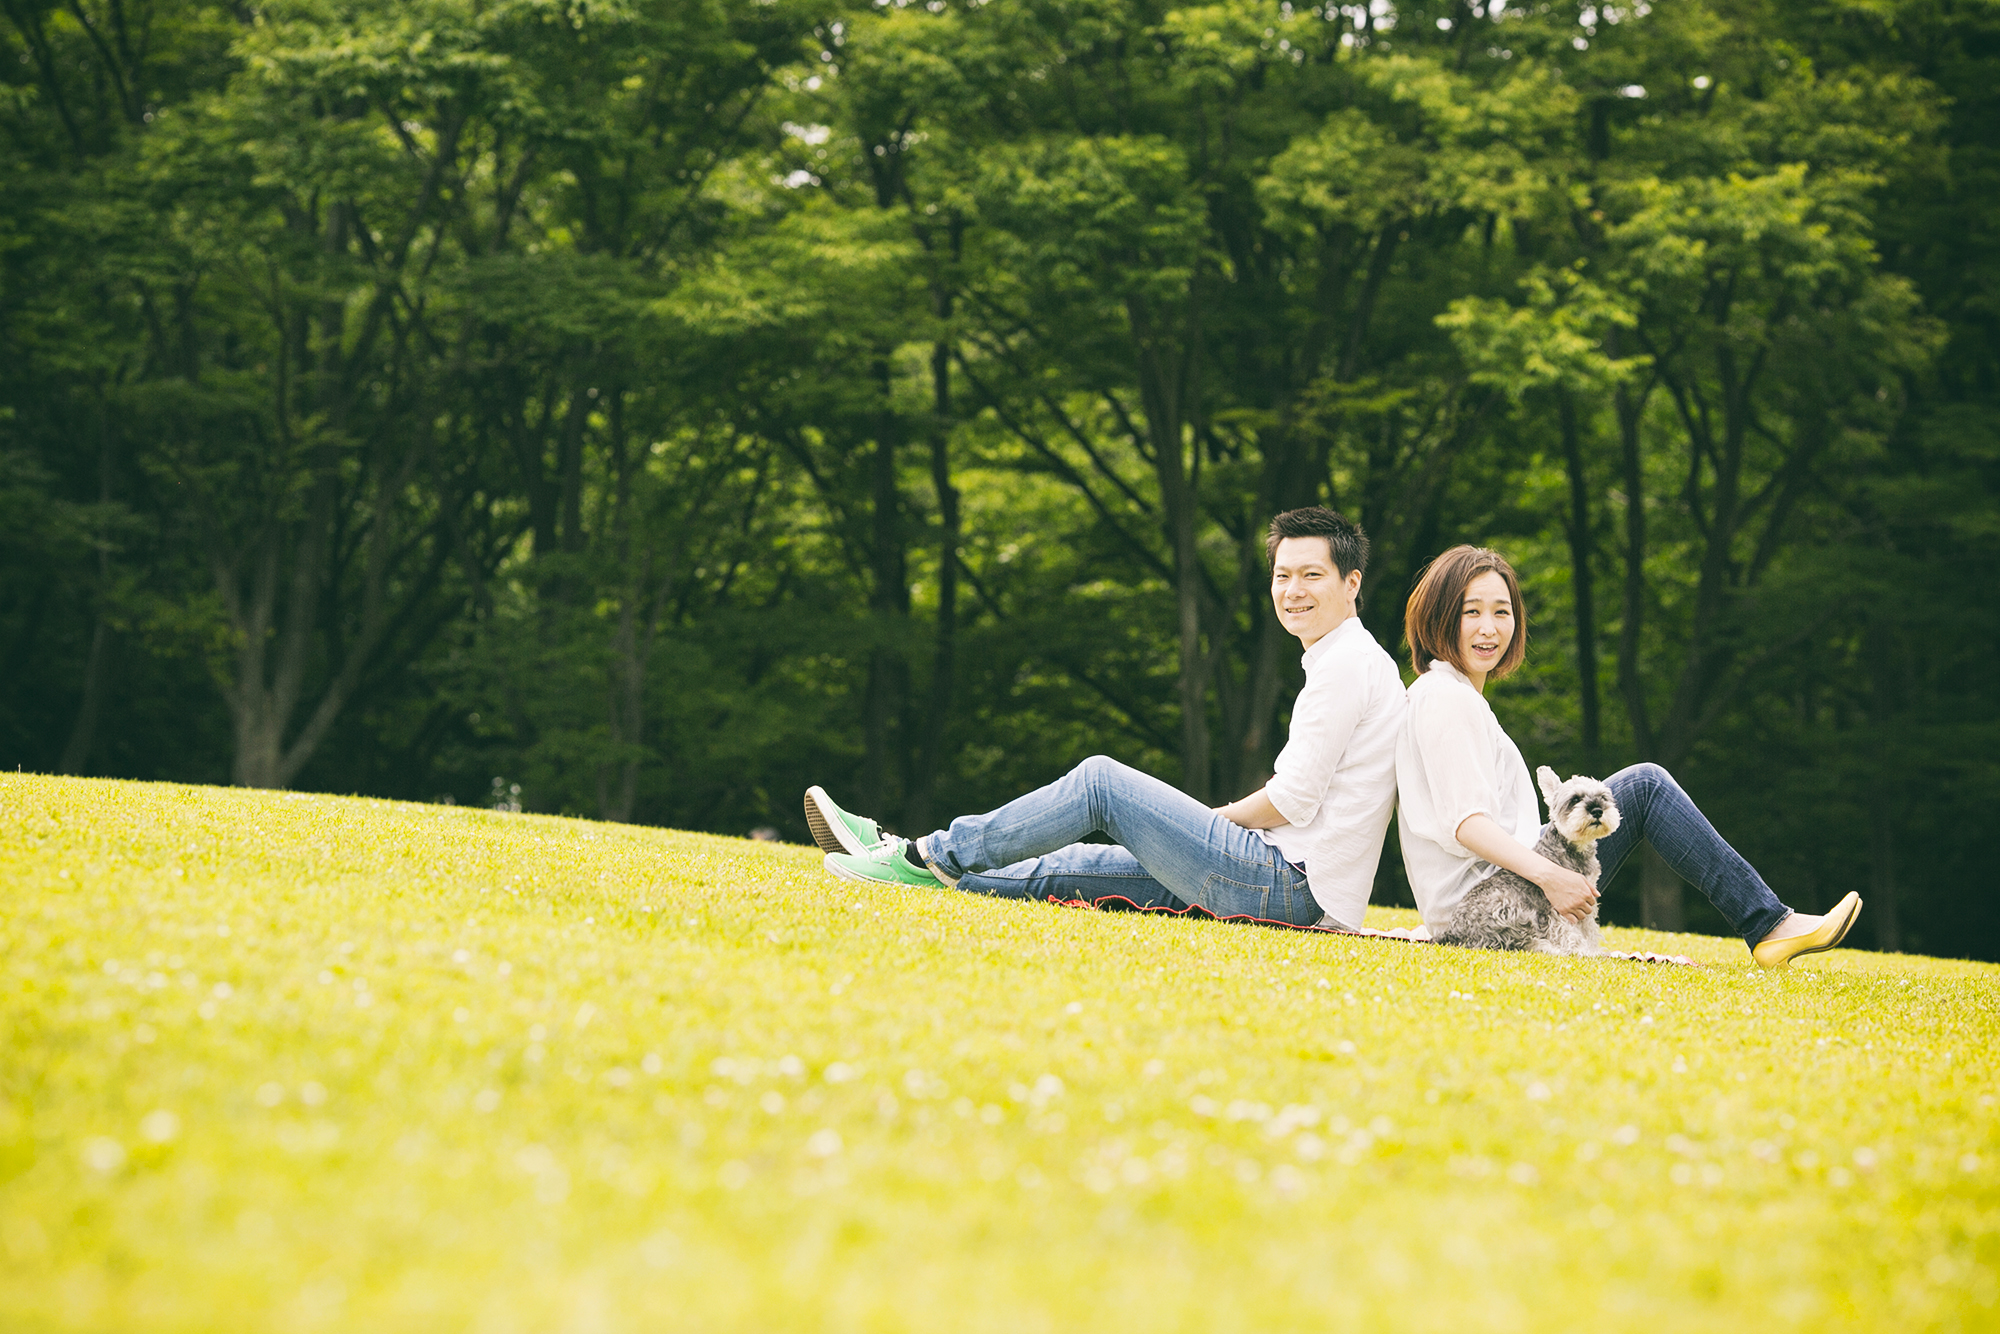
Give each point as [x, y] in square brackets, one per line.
[289, 1062]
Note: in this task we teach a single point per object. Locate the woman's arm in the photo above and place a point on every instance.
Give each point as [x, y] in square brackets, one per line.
[1253, 812]
[1568, 892]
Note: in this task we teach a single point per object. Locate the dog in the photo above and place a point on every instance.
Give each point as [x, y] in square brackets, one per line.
[1508, 912]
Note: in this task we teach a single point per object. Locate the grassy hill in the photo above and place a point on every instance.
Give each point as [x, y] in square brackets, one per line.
[290, 1062]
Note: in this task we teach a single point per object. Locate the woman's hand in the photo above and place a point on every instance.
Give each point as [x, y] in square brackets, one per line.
[1569, 893]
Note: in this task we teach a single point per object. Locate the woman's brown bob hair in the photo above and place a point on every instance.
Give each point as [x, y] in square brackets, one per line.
[1430, 620]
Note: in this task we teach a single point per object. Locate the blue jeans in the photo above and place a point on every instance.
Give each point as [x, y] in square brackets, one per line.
[1173, 852]
[1651, 806]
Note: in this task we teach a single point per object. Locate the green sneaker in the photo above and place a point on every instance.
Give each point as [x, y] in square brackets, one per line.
[883, 864]
[837, 831]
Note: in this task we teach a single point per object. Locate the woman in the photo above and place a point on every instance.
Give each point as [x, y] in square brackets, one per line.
[1467, 805]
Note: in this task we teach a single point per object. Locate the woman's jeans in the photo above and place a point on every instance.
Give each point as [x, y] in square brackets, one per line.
[1651, 806]
[1173, 852]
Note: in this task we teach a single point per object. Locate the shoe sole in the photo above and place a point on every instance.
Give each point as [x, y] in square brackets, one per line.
[1838, 936]
[842, 873]
[830, 831]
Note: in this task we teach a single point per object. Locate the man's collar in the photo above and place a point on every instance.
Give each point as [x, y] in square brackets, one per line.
[1440, 665]
[1325, 642]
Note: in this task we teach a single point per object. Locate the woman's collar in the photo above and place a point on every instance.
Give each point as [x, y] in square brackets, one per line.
[1440, 665]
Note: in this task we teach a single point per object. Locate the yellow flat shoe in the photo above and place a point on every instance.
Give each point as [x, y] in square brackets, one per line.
[1830, 932]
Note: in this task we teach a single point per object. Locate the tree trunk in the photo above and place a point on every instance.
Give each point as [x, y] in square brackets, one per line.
[625, 691]
[97, 667]
[1165, 392]
[1882, 879]
[885, 749]
[1631, 686]
[1662, 905]
[1886, 692]
[1192, 687]
[96, 670]
[944, 649]
[1581, 546]
[1662, 901]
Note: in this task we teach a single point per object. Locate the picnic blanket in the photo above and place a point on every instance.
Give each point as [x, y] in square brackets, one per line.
[1116, 903]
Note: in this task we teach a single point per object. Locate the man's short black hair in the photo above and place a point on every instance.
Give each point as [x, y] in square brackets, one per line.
[1344, 539]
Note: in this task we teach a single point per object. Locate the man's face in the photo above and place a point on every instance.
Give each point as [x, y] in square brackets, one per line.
[1311, 598]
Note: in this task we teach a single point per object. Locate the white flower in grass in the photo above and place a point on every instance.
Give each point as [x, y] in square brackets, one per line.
[270, 1095]
[159, 1126]
[103, 1154]
[485, 1100]
[659, 1249]
[824, 1143]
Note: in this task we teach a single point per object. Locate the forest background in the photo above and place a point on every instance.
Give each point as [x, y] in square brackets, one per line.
[644, 409]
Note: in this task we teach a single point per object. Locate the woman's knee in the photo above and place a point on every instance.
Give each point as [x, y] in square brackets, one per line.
[1645, 777]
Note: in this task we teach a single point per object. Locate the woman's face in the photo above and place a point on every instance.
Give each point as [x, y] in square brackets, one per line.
[1485, 625]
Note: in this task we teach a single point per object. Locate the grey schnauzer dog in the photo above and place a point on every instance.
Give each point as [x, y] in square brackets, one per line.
[1508, 912]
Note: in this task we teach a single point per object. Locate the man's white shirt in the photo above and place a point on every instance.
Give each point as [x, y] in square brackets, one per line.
[1335, 780]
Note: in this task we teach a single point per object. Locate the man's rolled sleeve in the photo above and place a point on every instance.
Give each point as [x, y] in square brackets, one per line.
[1323, 719]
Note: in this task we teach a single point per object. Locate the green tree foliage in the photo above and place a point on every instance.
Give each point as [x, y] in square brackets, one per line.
[662, 405]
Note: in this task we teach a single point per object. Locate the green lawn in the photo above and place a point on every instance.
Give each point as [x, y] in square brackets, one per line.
[278, 1061]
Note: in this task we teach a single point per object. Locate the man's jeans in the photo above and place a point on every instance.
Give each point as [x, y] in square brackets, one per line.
[1173, 852]
[1651, 806]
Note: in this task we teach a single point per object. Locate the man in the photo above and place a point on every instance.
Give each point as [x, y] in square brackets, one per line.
[1301, 850]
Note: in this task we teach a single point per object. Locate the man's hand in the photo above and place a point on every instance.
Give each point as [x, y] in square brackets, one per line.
[1252, 812]
[1569, 893]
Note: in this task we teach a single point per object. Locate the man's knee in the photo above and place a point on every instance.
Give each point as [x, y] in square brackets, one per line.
[1098, 768]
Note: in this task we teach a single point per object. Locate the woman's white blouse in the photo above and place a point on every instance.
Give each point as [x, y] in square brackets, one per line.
[1453, 761]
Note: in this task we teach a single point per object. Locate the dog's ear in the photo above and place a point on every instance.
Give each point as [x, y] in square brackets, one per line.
[1550, 785]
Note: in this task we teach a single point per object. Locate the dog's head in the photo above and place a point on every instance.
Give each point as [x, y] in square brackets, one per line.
[1582, 809]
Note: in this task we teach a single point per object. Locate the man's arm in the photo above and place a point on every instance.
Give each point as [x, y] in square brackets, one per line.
[1323, 720]
[1253, 812]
